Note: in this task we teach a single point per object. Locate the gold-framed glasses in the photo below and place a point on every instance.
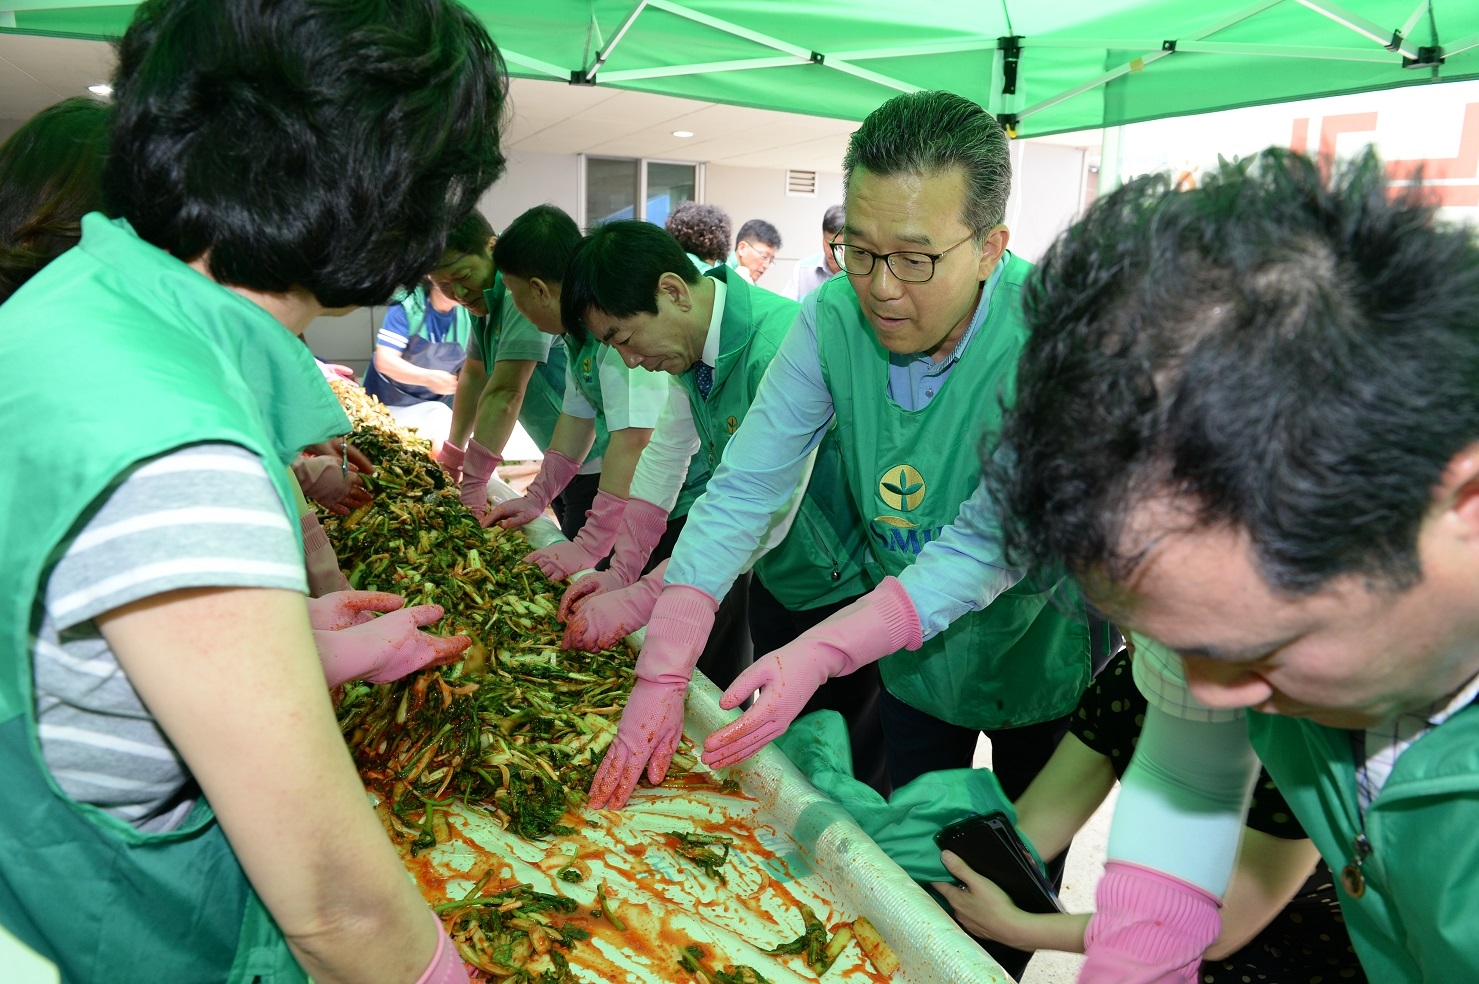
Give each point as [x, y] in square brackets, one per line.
[910, 266]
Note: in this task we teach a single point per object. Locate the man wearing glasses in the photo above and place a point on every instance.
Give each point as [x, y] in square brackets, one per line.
[911, 353]
[755, 248]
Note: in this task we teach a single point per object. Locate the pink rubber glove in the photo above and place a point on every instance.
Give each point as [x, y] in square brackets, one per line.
[642, 525]
[881, 622]
[387, 648]
[604, 620]
[343, 609]
[323, 480]
[591, 544]
[1150, 928]
[450, 457]
[334, 372]
[446, 965]
[652, 722]
[478, 465]
[555, 473]
[319, 560]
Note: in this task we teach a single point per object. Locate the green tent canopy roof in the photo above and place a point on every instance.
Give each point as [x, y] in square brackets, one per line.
[1043, 66]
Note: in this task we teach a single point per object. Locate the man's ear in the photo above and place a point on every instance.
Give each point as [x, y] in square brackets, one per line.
[1457, 494]
[541, 290]
[675, 289]
[992, 250]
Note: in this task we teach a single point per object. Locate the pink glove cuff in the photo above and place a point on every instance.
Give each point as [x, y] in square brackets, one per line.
[1150, 926]
[555, 472]
[895, 609]
[451, 455]
[681, 619]
[446, 966]
[601, 523]
[478, 462]
[319, 561]
[642, 526]
[314, 537]
[321, 478]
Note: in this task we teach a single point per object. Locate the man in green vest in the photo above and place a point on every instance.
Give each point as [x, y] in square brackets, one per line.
[602, 395]
[715, 336]
[526, 384]
[178, 804]
[1246, 419]
[911, 354]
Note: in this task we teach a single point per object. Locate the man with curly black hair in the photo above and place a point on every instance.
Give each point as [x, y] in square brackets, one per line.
[1246, 421]
[167, 750]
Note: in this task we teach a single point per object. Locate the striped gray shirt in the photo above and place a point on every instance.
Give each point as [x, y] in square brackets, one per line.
[203, 516]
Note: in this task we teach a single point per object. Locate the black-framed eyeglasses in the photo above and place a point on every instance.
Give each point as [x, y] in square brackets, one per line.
[910, 266]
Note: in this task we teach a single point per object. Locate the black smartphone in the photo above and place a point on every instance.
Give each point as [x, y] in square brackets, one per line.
[991, 846]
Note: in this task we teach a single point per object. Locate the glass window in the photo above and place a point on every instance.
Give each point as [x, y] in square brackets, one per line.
[667, 185]
[610, 189]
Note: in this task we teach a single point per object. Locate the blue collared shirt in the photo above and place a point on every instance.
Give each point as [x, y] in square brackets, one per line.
[962, 570]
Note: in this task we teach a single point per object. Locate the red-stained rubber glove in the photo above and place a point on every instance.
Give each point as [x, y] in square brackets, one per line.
[642, 525]
[478, 465]
[319, 560]
[652, 722]
[881, 622]
[1150, 928]
[324, 480]
[340, 449]
[604, 620]
[450, 457]
[343, 609]
[446, 965]
[555, 472]
[591, 544]
[387, 648]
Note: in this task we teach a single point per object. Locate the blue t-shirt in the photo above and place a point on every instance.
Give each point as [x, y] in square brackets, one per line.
[395, 334]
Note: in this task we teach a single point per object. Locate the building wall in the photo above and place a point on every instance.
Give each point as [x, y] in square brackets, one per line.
[7, 127]
[760, 193]
[1048, 184]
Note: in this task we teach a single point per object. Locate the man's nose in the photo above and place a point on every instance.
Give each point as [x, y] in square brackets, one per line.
[883, 283]
[1223, 686]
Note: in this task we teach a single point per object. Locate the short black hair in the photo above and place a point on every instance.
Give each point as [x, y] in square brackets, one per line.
[759, 231]
[1290, 357]
[322, 144]
[616, 268]
[50, 177]
[471, 235]
[538, 243]
[833, 220]
[702, 230]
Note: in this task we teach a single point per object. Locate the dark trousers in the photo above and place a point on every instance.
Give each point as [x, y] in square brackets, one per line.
[855, 696]
[728, 650]
[574, 502]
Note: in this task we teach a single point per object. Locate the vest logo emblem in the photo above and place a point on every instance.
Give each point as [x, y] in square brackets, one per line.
[732, 425]
[585, 367]
[902, 488]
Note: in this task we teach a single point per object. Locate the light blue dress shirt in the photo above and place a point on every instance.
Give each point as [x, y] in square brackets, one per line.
[962, 570]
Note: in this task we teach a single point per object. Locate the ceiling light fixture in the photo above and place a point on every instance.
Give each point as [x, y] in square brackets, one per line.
[682, 133]
[101, 89]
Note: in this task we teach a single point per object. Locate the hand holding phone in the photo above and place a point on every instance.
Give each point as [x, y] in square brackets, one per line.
[989, 843]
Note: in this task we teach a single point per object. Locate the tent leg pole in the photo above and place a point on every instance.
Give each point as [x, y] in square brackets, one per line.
[1111, 159]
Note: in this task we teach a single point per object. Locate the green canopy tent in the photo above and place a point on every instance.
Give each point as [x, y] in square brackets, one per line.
[1044, 66]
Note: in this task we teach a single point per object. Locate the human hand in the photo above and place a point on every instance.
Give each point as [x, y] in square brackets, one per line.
[512, 513]
[342, 609]
[323, 479]
[387, 648]
[450, 456]
[334, 372]
[981, 907]
[478, 465]
[559, 560]
[603, 620]
[647, 736]
[341, 449]
[441, 383]
[1149, 928]
[877, 624]
[593, 584]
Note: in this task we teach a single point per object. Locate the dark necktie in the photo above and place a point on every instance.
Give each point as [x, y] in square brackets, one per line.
[703, 377]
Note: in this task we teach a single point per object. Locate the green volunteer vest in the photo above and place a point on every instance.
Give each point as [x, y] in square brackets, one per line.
[173, 359]
[1416, 921]
[584, 359]
[820, 560]
[414, 304]
[1020, 660]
